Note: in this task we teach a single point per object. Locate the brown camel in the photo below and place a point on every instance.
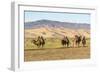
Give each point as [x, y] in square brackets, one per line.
[65, 41]
[40, 42]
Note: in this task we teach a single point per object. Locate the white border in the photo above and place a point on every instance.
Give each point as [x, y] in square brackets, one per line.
[18, 40]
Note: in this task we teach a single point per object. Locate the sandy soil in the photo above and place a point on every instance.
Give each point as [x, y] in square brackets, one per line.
[56, 54]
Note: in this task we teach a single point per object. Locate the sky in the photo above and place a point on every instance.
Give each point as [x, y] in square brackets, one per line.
[30, 16]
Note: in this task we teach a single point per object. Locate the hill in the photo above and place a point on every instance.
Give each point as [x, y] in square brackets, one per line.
[54, 29]
[51, 23]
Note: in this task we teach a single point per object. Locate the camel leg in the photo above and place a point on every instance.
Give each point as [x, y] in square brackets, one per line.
[42, 45]
[83, 45]
[73, 44]
[78, 44]
[67, 45]
[38, 46]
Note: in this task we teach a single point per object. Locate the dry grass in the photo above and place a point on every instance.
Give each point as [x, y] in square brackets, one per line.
[56, 54]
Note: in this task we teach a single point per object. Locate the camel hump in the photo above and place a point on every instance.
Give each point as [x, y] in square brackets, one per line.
[39, 42]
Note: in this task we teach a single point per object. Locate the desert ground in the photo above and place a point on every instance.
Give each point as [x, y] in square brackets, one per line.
[53, 50]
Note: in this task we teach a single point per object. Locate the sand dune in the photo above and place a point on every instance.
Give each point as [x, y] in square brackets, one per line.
[52, 32]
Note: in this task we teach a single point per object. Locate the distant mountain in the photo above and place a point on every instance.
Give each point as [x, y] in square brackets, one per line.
[51, 23]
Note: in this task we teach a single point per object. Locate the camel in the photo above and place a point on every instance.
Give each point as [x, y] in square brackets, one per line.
[84, 41]
[77, 40]
[37, 43]
[65, 41]
[40, 42]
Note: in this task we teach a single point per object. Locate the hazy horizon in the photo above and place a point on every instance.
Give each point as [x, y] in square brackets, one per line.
[54, 20]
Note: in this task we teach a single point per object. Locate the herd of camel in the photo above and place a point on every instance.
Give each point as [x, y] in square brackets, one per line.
[65, 42]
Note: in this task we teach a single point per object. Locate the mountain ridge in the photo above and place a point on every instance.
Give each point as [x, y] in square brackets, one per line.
[52, 23]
